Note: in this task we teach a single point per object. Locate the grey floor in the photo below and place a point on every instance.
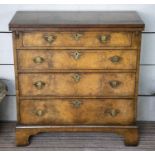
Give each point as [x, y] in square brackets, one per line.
[77, 141]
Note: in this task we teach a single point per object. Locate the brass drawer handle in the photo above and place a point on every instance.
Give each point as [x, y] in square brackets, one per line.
[114, 83]
[40, 113]
[115, 59]
[49, 38]
[77, 36]
[112, 112]
[104, 38]
[38, 60]
[76, 103]
[39, 84]
[76, 77]
[76, 55]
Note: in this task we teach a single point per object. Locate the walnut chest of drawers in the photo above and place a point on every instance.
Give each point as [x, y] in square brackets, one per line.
[76, 72]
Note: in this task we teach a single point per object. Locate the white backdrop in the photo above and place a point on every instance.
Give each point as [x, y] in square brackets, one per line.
[146, 100]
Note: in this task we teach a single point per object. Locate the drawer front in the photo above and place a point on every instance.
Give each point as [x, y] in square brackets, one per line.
[77, 111]
[77, 84]
[77, 59]
[77, 39]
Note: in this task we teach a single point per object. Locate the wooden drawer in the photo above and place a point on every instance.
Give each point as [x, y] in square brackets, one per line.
[77, 84]
[77, 111]
[76, 59]
[77, 39]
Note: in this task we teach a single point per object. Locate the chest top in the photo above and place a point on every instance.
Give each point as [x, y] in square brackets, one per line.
[91, 19]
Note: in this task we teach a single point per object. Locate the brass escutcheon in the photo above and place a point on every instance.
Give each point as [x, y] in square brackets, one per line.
[76, 103]
[40, 113]
[104, 38]
[115, 59]
[76, 55]
[77, 36]
[39, 84]
[76, 77]
[114, 83]
[49, 38]
[38, 60]
[112, 112]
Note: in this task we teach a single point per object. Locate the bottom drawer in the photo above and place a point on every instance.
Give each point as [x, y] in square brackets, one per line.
[77, 112]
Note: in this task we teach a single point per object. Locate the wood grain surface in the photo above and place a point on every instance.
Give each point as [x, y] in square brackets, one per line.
[86, 19]
[77, 84]
[76, 59]
[77, 112]
[76, 39]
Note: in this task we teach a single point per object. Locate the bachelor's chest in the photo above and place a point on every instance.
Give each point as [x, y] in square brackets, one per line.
[76, 71]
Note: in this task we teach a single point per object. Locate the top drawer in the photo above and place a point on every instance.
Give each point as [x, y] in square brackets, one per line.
[77, 39]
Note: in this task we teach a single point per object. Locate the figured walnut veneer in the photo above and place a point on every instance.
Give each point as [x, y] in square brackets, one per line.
[76, 72]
